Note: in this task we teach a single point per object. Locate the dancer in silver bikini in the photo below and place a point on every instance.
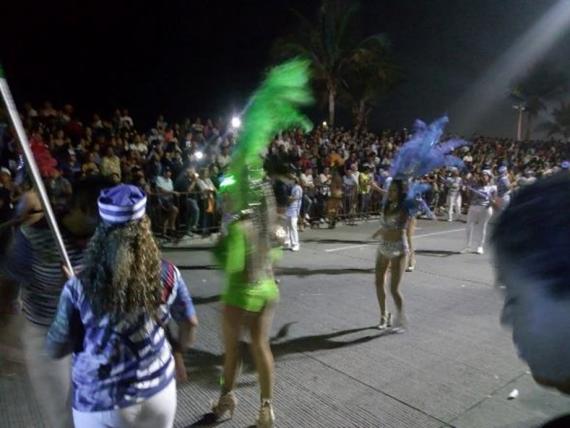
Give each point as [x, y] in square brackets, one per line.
[393, 251]
[421, 154]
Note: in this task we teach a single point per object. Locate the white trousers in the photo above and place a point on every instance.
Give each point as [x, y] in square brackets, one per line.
[477, 219]
[453, 203]
[50, 378]
[156, 412]
[291, 232]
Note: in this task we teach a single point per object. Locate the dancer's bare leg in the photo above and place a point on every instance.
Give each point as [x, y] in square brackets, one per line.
[259, 327]
[382, 264]
[231, 326]
[397, 272]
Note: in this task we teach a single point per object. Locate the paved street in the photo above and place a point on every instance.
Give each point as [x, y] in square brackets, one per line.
[455, 367]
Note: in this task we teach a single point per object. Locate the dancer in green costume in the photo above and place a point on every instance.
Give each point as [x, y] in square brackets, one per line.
[250, 243]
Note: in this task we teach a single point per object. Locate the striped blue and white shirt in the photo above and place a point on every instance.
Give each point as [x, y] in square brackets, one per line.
[118, 361]
[32, 259]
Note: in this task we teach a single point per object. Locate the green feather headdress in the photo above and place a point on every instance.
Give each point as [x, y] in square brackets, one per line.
[273, 108]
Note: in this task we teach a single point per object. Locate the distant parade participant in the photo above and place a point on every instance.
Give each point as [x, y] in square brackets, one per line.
[247, 251]
[111, 317]
[292, 216]
[421, 154]
[532, 262]
[483, 195]
[503, 188]
[454, 184]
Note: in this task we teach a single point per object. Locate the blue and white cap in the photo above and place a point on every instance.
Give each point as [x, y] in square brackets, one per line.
[565, 165]
[502, 169]
[121, 204]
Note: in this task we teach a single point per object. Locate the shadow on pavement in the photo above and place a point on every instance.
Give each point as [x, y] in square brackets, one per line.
[302, 272]
[208, 362]
[197, 267]
[198, 300]
[437, 253]
[335, 241]
[197, 358]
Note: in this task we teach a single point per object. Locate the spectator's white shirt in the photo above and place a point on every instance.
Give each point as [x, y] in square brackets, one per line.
[126, 121]
[164, 183]
[206, 184]
[350, 181]
[140, 147]
[307, 181]
[294, 207]
[356, 175]
[324, 179]
[467, 158]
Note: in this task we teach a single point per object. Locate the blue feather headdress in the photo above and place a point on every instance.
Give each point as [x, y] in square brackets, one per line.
[423, 153]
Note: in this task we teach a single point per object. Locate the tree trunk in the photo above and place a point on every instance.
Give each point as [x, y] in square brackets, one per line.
[332, 94]
[359, 112]
[528, 132]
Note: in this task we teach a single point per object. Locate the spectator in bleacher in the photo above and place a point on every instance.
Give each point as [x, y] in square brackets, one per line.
[167, 198]
[110, 164]
[187, 186]
[308, 185]
[364, 189]
[223, 158]
[207, 200]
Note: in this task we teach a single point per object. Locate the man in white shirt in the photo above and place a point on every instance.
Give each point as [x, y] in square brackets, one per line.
[453, 194]
[292, 216]
[308, 193]
[223, 158]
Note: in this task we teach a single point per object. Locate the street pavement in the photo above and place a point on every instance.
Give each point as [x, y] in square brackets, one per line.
[454, 367]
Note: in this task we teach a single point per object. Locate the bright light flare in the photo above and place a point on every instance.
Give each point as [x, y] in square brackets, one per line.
[236, 122]
[199, 155]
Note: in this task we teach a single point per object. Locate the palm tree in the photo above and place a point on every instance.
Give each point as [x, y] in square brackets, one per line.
[541, 84]
[331, 46]
[560, 125]
[371, 76]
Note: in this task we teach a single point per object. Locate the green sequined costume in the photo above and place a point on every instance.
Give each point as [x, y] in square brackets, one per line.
[248, 250]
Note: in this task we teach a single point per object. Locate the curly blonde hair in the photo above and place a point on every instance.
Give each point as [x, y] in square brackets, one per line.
[122, 269]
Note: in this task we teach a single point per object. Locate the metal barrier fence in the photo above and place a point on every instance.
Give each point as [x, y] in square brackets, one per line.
[194, 214]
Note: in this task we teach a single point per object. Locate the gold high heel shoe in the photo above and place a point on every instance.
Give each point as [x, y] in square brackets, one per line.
[226, 403]
[266, 418]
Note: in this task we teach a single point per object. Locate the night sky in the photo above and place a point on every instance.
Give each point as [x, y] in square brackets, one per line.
[189, 57]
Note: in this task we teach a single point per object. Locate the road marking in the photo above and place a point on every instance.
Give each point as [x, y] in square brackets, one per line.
[423, 235]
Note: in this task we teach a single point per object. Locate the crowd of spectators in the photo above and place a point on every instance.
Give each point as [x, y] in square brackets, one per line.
[180, 165]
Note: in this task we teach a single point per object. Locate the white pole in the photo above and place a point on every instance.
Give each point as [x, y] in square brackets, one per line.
[36, 177]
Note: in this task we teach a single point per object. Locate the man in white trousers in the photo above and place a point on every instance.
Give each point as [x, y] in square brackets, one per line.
[292, 216]
[453, 194]
[483, 195]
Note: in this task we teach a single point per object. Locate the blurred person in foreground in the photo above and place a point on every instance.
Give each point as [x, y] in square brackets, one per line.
[248, 249]
[112, 318]
[531, 243]
[31, 260]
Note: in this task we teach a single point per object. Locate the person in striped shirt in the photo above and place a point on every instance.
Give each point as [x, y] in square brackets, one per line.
[31, 259]
[112, 317]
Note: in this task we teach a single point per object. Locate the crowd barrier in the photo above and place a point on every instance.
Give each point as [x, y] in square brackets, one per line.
[197, 215]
